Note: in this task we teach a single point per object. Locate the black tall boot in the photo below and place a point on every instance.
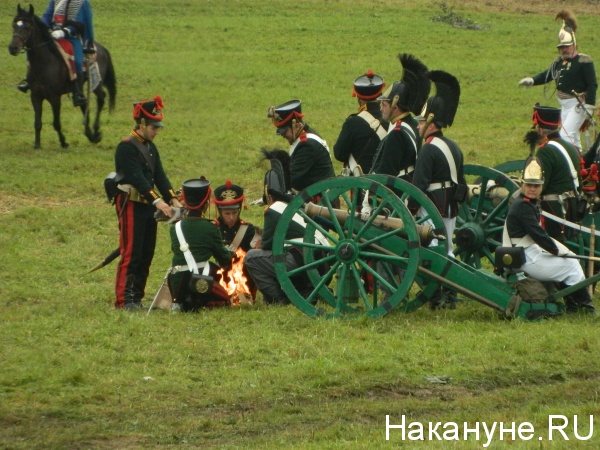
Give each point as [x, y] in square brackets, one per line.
[583, 302]
[78, 97]
[133, 299]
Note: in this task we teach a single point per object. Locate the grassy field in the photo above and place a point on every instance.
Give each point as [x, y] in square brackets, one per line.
[76, 374]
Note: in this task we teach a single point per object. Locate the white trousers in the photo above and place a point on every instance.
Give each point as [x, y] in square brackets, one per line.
[547, 267]
[572, 116]
[449, 224]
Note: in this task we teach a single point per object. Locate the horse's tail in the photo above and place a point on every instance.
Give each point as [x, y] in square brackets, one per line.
[110, 81]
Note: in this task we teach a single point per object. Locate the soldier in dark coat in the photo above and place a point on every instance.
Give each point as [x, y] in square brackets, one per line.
[143, 181]
[561, 161]
[362, 131]
[238, 235]
[575, 78]
[397, 152]
[310, 159]
[439, 168]
[260, 263]
[544, 256]
[194, 240]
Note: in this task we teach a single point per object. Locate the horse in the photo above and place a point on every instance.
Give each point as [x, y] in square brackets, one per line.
[48, 75]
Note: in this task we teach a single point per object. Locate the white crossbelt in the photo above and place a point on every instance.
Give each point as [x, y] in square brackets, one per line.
[563, 151]
[192, 266]
[280, 208]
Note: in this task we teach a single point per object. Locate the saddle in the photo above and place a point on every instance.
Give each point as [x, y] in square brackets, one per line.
[66, 50]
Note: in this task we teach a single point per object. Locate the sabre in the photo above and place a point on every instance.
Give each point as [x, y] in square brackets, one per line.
[110, 258]
[589, 116]
[585, 258]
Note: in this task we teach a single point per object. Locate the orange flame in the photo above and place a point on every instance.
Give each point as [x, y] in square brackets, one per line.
[237, 286]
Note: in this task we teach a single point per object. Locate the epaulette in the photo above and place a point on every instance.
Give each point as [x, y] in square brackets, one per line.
[583, 58]
[398, 126]
[303, 137]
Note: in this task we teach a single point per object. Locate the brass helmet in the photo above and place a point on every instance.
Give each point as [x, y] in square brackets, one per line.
[533, 172]
[566, 35]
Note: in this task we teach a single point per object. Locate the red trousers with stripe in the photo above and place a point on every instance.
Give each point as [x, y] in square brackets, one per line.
[137, 240]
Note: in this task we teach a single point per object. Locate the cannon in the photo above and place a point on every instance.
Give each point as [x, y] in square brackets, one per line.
[389, 260]
[481, 218]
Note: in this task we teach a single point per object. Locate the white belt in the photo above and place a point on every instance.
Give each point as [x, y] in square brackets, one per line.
[406, 171]
[442, 185]
[185, 267]
[560, 197]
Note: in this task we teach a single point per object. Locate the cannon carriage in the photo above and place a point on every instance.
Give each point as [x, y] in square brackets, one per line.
[368, 266]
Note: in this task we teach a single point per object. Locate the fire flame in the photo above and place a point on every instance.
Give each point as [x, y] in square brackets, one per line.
[237, 286]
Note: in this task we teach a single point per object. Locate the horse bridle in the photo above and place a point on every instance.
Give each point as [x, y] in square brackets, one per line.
[23, 41]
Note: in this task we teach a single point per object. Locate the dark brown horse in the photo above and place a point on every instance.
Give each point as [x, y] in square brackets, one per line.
[48, 75]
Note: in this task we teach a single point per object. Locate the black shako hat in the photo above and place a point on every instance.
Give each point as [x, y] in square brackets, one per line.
[546, 117]
[195, 192]
[150, 111]
[229, 196]
[284, 115]
[368, 86]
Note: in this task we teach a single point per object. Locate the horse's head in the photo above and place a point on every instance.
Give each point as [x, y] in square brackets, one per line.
[23, 29]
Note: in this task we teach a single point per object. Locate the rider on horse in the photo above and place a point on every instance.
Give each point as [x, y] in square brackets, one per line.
[71, 20]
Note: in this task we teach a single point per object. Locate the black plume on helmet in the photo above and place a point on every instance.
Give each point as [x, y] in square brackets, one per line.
[444, 103]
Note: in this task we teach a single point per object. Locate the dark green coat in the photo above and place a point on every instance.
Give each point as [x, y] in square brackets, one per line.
[557, 174]
[576, 74]
[309, 162]
[396, 151]
[358, 139]
[131, 163]
[272, 218]
[205, 241]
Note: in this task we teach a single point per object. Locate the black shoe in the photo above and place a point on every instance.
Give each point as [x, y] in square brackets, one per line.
[23, 86]
[135, 306]
[79, 99]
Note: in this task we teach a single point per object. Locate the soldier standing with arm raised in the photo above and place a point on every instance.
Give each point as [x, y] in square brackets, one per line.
[143, 181]
[575, 78]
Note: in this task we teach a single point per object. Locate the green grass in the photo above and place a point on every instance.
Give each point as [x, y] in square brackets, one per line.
[77, 374]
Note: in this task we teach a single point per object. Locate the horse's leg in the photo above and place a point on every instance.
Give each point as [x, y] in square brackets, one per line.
[36, 102]
[100, 97]
[55, 102]
[96, 136]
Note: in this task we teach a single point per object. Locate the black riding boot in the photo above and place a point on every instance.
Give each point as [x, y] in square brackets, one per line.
[133, 299]
[78, 97]
[582, 301]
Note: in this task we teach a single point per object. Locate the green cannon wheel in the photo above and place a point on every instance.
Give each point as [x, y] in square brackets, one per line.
[342, 251]
[481, 218]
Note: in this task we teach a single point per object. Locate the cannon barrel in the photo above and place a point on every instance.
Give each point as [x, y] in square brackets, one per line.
[426, 234]
[494, 193]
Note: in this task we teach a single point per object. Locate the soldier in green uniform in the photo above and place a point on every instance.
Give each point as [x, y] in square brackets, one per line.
[194, 240]
[363, 130]
[238, 235]
[260, 263]
[561, 162]
[310, 159]
[575, 79]
[397, 152]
